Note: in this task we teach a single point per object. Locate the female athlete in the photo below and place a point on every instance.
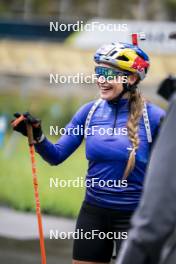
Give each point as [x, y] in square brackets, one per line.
[120, 128]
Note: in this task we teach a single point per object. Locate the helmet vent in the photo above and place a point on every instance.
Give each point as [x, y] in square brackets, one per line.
[112, 53]
[123, 58]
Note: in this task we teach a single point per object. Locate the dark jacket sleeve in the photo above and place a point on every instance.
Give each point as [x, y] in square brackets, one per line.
[155, 218]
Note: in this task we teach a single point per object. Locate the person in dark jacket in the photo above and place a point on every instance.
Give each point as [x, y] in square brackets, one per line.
[151, 239]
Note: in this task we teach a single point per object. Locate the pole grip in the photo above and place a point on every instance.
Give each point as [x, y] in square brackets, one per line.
[30, 134]
[17, 121]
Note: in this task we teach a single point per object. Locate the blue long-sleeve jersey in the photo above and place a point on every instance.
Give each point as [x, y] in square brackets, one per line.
[107, 152]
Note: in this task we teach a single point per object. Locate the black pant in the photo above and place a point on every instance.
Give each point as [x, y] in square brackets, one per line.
[108, 223]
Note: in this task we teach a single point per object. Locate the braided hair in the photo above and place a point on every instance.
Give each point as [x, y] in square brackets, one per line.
[135, 110]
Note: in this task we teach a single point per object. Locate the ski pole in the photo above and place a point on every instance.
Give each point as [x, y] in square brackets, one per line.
[35, 184]
[36, 192]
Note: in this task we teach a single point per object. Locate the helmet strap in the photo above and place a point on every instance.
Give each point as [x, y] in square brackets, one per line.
[126, 88]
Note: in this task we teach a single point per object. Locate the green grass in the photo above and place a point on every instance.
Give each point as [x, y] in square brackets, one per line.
[16, 189]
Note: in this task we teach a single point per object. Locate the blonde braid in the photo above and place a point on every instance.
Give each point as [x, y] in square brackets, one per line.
[135, 108]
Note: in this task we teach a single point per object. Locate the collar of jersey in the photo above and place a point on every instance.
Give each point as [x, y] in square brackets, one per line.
[120, 102]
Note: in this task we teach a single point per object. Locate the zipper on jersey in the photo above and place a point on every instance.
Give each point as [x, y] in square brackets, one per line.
[115, 117]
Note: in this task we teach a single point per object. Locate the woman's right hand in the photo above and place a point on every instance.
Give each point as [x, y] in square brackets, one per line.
[20, 121]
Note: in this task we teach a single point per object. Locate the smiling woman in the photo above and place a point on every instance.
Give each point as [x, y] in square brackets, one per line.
[118, 156]
[110, 81]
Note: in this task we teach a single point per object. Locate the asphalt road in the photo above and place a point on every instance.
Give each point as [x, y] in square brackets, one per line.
[13, 251]
[19, 242]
